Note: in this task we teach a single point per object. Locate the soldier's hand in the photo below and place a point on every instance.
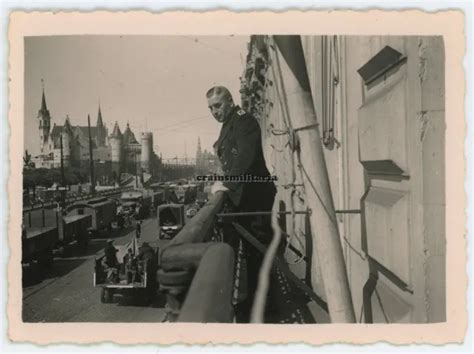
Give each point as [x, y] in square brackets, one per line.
[218, 187]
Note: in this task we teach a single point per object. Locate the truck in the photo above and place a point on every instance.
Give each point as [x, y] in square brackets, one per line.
[201, 199]
[47, 229]
[133, 275]
[186, 193]
[37, 245]
[170, 219]
[75, 228]
[136, 202]
[158, 199]
[103, 212]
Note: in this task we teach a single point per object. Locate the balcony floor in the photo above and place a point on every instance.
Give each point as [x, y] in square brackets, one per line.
[286, 303]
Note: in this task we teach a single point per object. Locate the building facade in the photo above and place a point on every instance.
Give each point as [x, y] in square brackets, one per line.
[122, 151]
[206, 161]
[379, 106]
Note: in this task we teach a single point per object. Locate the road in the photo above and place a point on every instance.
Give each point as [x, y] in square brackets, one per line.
[65, 293]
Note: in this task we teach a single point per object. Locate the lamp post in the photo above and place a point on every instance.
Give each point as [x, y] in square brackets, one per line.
[91, 158]
[63, 178]
[136, 170]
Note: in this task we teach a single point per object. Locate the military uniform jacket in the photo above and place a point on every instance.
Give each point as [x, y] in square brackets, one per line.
[239, 149]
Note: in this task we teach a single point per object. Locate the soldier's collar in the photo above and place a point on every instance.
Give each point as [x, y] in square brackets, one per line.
[234, 110]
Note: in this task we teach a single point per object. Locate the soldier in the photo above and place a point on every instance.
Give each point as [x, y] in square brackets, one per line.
[110, 262]
[130, 262]
[239, 149]
[138, 229]
[147, 256]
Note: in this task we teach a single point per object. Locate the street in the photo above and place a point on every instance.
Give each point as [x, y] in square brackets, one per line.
[65, 293]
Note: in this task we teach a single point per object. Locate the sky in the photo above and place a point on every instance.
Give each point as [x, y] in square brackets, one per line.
[156, 83]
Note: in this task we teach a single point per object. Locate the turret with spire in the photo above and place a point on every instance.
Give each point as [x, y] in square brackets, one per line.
[129, 136]
[101, 132]
[44, 122]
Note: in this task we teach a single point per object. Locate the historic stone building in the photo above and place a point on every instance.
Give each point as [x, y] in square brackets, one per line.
[122, 151]
[206, 161]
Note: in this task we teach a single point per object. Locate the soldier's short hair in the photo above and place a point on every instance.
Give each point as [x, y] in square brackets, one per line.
[219, 91]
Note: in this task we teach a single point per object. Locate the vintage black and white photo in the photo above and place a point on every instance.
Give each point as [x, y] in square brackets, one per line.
[229, 178]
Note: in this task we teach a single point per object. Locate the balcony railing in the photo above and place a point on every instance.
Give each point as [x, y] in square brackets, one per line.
[209, 297]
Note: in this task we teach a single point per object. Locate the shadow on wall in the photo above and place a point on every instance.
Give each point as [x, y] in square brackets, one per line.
[374, 308]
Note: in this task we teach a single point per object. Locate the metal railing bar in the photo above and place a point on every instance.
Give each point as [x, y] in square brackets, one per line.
[282, 265]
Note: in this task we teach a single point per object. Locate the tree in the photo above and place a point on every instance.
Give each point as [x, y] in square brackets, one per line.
[27, 160]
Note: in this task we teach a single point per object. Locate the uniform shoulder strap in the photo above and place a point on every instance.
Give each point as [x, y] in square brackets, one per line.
[241, 113]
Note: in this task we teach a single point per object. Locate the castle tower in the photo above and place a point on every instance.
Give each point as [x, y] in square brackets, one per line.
[146, 140]
[101, 130]
[68, 137]
[44, 124]
[116, 147]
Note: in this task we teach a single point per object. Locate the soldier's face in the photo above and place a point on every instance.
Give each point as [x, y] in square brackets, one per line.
[220, 107]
